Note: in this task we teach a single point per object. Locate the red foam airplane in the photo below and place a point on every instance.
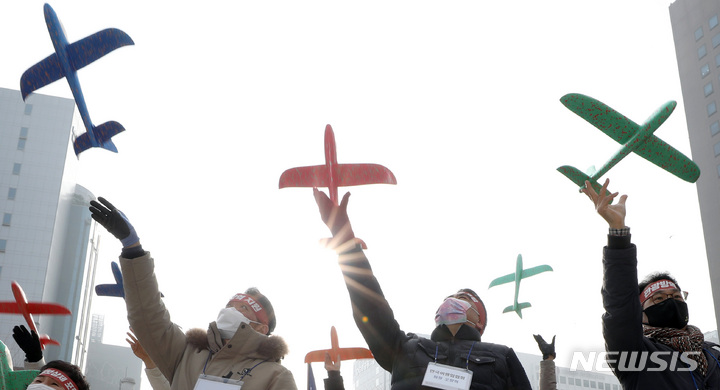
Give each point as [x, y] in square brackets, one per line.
[335, 351]
[333, 175]
[27, 309]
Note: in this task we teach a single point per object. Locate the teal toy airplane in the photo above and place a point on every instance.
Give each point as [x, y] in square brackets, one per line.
[516, 277]
[633, 138]
[13, 380]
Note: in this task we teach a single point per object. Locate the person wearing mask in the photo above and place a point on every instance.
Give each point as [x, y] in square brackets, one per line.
[59, 375]
[645, 325]
[453, 357]
[237, 348]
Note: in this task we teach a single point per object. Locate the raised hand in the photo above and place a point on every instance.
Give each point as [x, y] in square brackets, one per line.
[29, 342]
[114, 221]
[614, 214]
[548, 350]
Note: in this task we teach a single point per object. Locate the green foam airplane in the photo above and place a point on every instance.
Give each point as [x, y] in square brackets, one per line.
[13, 380]
[633, 138]
[516, 277]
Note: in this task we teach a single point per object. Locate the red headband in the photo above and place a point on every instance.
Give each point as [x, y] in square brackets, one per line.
[659, 285]
[255, 305]
[60, 376]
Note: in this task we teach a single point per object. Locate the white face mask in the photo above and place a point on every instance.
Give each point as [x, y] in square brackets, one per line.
[39, 386]
[229, 320]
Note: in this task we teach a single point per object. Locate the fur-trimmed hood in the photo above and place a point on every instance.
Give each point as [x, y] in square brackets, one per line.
[272, 348]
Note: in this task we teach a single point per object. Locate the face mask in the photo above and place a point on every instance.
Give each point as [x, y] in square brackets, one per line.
[452, 311]
[669, 313]
[39, 386]
[229, 320]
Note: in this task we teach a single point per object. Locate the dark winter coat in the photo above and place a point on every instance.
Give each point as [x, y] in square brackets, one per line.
[407, 356]
[623, 332]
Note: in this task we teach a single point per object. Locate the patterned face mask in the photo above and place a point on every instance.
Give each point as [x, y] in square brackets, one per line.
[452, 311]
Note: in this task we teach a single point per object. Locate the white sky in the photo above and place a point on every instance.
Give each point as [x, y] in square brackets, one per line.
[459, 99]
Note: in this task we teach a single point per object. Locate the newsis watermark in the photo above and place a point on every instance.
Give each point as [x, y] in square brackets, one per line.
[634, 361]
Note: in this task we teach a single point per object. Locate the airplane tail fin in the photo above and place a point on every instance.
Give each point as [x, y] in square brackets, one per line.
[103, 134]
[45, 340]
[578, 177]
[508, 309]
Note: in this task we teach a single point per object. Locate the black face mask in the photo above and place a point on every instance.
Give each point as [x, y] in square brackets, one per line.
[669, 313]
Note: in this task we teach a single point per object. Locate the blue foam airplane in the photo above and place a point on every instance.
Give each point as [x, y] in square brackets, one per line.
[65, 62]
[516, 277]
[113, 290]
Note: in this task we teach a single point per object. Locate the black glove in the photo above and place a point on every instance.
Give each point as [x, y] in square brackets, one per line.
[546, 349]
[114, 221]
[29, 343]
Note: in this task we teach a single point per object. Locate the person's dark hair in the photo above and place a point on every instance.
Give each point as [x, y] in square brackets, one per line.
[70, 370]
[652, 278]
[255, 293]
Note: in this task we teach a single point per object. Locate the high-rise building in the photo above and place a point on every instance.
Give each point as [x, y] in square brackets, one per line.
[697, 47]
[47, 237]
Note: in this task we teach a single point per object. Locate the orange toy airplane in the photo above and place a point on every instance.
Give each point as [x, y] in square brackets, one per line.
[335, 351]
[27, 309]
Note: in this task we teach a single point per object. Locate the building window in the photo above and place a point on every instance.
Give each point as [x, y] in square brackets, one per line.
[715, 128]
[698, 33]
[717, 60]
[563, 380]
[716, 40]
[586, 383]
[593, 385]
[11, 193]
[23, 132]
[7, 218]
[708, 89]
[28, 109]
[3, 245]
[16, 169]
[702, 52]
[711, 108]
[713, 22]
[705, 70]
[718, 168]
[717, 149]
[21, 144]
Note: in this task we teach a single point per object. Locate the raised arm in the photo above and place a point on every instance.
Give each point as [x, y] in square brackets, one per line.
[622, 320]
[163, 340]
[371, 311]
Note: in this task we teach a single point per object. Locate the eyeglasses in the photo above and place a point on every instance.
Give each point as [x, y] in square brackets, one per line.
[677, 295]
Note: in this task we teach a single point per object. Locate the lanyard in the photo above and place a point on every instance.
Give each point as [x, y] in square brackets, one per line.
[246, 371]
[467, 358]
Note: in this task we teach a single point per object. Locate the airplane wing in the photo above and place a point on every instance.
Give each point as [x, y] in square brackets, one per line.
[526, 273]
[40, 75]
[668, 158]
[600, 115]
[502, 280]
[313, 176]
[46, 308]
[349, 175]
[345, 354]
[90, 48]
[80, 54]
[9, 307]
[360, 174]
[110, 290]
